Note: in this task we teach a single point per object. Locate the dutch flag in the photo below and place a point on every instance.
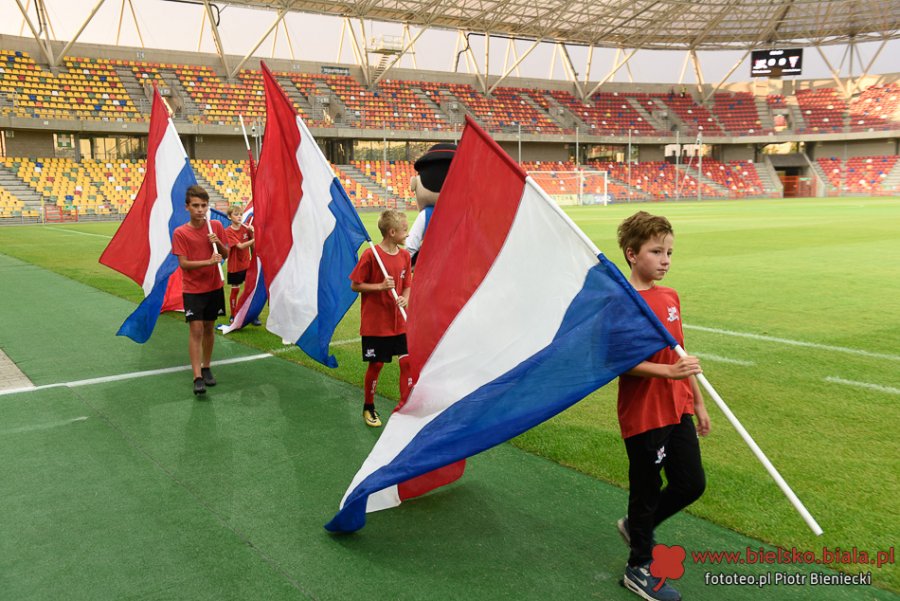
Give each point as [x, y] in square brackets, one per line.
[142, 246]
[307, 231]
[516, 316]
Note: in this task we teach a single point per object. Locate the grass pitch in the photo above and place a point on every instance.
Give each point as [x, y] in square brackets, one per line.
[791, 305]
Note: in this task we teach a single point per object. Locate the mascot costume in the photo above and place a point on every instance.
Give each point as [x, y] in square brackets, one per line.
[431, 171]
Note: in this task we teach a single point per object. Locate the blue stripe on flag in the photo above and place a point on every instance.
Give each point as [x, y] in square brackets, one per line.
[603, 334]
[339, 257]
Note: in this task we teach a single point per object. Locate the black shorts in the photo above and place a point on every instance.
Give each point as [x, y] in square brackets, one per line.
[381, 349]
[236, 278]
[206, 306]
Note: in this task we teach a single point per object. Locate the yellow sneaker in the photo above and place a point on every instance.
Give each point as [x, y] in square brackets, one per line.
[370, 416]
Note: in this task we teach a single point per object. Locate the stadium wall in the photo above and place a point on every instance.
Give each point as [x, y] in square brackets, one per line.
[852, 148]
[25, 143]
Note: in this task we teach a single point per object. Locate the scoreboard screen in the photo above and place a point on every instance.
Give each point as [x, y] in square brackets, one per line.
[776, 63]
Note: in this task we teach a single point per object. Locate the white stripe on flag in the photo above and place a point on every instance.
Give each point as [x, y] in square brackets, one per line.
[557, 263]
[170, 160]
[293, 292]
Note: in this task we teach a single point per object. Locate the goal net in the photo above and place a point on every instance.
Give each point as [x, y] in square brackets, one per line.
[55, 214]
[575, 187]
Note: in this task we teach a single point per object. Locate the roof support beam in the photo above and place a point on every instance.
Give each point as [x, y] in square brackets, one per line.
[287, 36]
[570, 69]
[514, 66]
[262, 39]
[587, 67]
[698, 71]
[215, 29]
[136, 26]
[722, 81]
[835, 74]
[412, 44]
[46, 50]
[76, 36]
[362, 58]
[399, 56]
[610, 74]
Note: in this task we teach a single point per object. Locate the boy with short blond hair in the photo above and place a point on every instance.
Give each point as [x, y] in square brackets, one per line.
[239, 237]
[657, 400]
[382, 326]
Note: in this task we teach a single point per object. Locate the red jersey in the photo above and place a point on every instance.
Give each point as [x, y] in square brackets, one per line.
[650, 403]
[380, 315]
[193, 244]
[238, 258]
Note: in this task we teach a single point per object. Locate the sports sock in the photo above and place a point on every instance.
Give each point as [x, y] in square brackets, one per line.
[235, 292]
[371, 382]
[405, 380]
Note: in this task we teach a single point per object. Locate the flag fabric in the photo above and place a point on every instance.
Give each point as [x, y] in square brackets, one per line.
[253, 296]
[142, 246]
[307, 231]
[516, 316]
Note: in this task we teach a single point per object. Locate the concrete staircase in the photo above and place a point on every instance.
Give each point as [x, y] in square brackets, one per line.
[336, 109]
[216, 199]
[769, 179]
[141, 99]
[15, 186]
[798, 123]
[565, 115]
[426, 101]
[559, 118]
[892, 179]
[316, 113]
[765, 114]
[358, 176]
[646, 116]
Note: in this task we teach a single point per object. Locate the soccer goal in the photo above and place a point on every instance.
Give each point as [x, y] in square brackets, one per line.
[576, 187]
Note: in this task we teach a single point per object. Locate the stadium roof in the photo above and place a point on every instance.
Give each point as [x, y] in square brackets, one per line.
[645, 24]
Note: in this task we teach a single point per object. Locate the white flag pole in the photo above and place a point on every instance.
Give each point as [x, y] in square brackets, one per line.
[215, 249]
[792, 497]
[386, 276]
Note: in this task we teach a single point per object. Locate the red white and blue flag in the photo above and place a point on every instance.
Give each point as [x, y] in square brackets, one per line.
[517, 316]
[142, 246]
[307, 231]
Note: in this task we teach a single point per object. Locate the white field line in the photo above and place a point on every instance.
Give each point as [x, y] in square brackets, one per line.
[788, 341]
[60, 229]
[868, 385]
[130, 376]
[719, 359]
[345, 342]
[46, 426]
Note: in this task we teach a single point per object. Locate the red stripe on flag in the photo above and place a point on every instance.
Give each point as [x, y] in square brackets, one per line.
[277, 190]
[129, 250]
[453, 250]
[420, 485]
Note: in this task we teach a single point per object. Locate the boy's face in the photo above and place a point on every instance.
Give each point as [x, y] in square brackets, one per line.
[398, 235]
[197, 207]
[235, 218]
[652, 261]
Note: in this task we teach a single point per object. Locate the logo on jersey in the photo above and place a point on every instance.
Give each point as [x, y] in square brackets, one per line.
[370, 352]
[403, 274]
[673, 314]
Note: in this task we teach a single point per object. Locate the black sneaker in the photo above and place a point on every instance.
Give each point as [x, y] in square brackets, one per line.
[208, 378]
[199, 386]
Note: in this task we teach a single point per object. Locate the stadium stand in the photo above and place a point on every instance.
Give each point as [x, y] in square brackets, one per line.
[10, 206]
[876, 108]
[694, 117]
[231, 179]
[860, 175]
[823, 110]
[609, 113]
[738, 114]
[86, 89]
[738, 177]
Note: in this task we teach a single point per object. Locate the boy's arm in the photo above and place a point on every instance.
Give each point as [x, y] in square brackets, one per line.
[703, 424]
[387, 284]
[189, 265]
[685, 367]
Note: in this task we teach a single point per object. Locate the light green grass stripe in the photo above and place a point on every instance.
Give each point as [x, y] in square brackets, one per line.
[789, 342]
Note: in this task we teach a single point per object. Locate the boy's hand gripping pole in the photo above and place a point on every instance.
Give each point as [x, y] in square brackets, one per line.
[384, 271]
[214, 247]
[792, 497]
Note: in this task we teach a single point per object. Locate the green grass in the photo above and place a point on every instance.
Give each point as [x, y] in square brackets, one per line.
[817, 271]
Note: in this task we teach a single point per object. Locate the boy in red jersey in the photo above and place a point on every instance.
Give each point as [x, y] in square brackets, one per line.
[239, 238]
[656, 401]
[199, 252]
[382, 327]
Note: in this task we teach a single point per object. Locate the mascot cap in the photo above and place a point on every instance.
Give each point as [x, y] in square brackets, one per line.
[432, 166]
